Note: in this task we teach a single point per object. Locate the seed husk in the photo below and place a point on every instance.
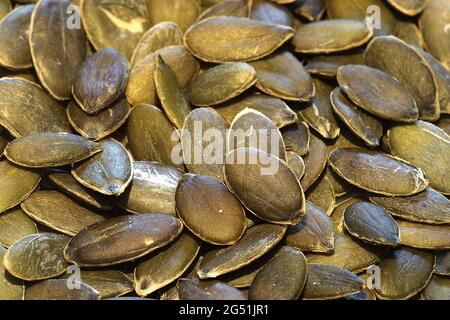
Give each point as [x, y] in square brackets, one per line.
[149, 135]
[377, 172]
[195, 289]
[221, 83]
[428, 207]
[14, 28]
[215, 39]
[16, 185]
[100, 80]
[234, 8]
[337, 216]
[265, 11]
[15, 225]
[410, 8]
[152, 189]
[327, 283]
[319, 115]
[101, 125]
[164, 267]
[403, 62]
[377, 93]
[255, 242]
[37, 257]
[442, 266]
[331, 36]
[315, 162]
[372, 224]
[58, 212]
[50, 41]
[119, 26]
[50, 149]
[296, 138]
[409, 32]
[21, 99]
[128, 238]
[361, 123]
[296, 164]
[277, 198]
[321, 194]
[10, 287]
[182, 12]
[209, 210]
[424, 236]
[314, 233]
[58, 289]
[431, 151]
[437, 289]
[109, 172]
[328, 65]
[210, 163]
[282, 278]
[404, 273]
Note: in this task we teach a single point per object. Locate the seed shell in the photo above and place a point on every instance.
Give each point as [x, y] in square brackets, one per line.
[15, 225]
[58, 289]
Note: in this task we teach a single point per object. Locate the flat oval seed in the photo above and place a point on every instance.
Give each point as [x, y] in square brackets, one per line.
[327, 65]
[424, 236]
[282, 278]
[410, 33]
[255, 242]
[164, 267]
[16, 184]
[37, 257]
[57, 289]
[152, 189]
[296, 138]
[101, 125]
[50, 149]
[331, 36]
[263, 10]
[315, 162]
[296, 164]
[310, 10]
[372, 224]
[410, 8]
[194, 289]
[121, 239]
[442, 266]
[338, 214]
[216, 39]
[57, 50]
[100, 80]
[24, 99]
[437, 289]
[209, 210]
[430, 151]
[404, 273]
[283, 76]
[15, 225]
[235, 8]
[10, 287]
[377, 92]
[14, 31]
[314, 233]
[109, 172]
[58, 212]
[327, 283]
[428, 207]
[321, 194]
[404, 63]
[275, 195]
[221, 83]
[182, 12]
[377, 172]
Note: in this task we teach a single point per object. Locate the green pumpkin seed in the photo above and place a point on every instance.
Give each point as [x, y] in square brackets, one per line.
[442, 266]
[16, 184]
[368, 89]
[152, 189]
[182, 12]
[372, 224]
[164, 267]
[404, 273]
[296, 138]
[255, 242]
[15, 225]
[328, 65]
[37, 257]
[50, 149]
[424, 236]
[321, 194]
[314, 233]
[431, 151]
[10, 287]
[57, 289]
[263, 10]
[268, 285]
[194, 289]
[215, 39]
[331, 36]
[296, 164]
[234, 8]
[14, 30]
[377, 172]
[437, 289]
[315, 162]
[100, 80]
[58, 212]
[410, 8]
[135, 237]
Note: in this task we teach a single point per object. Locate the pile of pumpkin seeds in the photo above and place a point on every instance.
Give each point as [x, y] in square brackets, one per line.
[94, 205]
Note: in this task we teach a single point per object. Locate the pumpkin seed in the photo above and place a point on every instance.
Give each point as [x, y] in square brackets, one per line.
[444, 124]
[100, 80]
[337, 216]
[5, 8]
[182, 12]
[265, 11]
[410, 8]
[404, 273]
[50, 149]
[195, 289]
[15, 225]
[57, 289]
[215, 39]
[234, 8]
[409, 32]
[437, 289]
[424, 236]
[322, 195]
[328, 65]
[442, 266]
[296, 164]
[296, 138]
[58, 212]
[311, 10]
[135, 236]
[315, 162]
[377, 172]
[37, 257]
[11, 288]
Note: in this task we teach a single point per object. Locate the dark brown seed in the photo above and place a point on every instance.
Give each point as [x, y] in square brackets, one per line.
[182, 12]
[437, 289]
[195, 289]
[58, 289]
[296, 138]
[15, 225]
[315, 162]
[442, 266]
[328, 65]
[424, 236]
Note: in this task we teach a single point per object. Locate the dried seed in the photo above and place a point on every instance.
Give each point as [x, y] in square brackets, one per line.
[328, 65]
[234, 8]
[296, 138]
[442, 266]
[315, 162]
[410, 33]
[311, 10]
[57, 289]
[437, 289]
[337, 216]
[424, 236]
[296, 164]
[182, 12]
[15, 225]
[265, 11]
[195, 289]
[321, 194]
[10, 287]
[410, 8]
